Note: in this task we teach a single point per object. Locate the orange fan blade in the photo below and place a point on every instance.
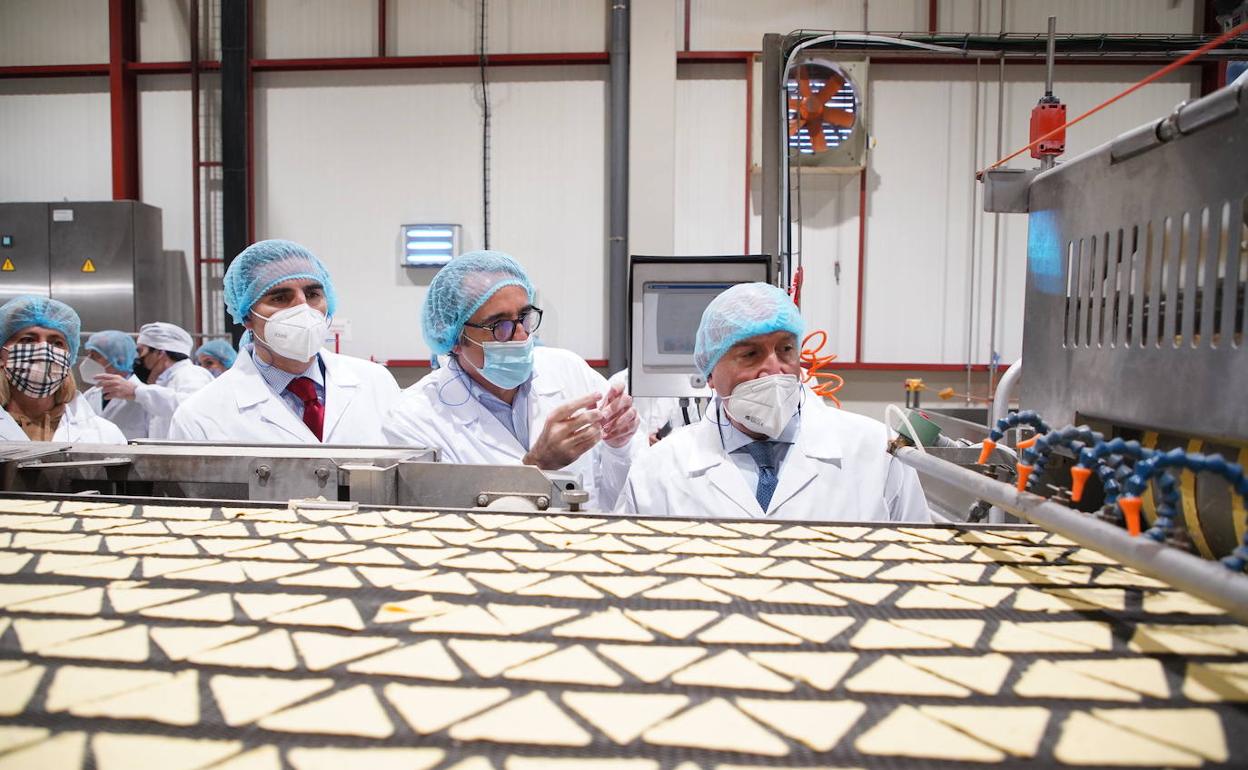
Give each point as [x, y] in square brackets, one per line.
[837, 117]
[834, 84]
[803, 82]
[817, 142]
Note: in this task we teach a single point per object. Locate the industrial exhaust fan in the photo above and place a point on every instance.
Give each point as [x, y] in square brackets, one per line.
[825, 116]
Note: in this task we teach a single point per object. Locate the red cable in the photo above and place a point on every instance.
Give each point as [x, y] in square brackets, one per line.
[1166, 70]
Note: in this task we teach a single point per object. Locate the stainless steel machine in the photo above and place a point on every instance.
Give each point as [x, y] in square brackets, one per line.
[103, 258]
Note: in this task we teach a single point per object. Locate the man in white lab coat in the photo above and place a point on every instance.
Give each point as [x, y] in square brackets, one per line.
[498, 399]
[113, 352]
[166, 373]
[767, 448]
[285, 388]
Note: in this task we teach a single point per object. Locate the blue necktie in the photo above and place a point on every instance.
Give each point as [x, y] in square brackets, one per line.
[764, 458]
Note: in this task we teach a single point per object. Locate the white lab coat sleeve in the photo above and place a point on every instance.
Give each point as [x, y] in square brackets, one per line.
[109, 433]
[401, 427]
[903, 495]
[626, 503]
[612, 466]
[186, 428]
[157, 400]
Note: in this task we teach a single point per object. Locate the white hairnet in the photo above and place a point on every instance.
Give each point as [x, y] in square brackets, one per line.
[165, 336]
[743, 311]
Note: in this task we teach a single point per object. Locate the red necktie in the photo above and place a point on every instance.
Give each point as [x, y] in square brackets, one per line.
[313, 409]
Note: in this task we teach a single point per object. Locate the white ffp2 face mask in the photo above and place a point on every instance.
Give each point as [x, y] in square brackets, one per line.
[294, 332]
[765, 405]
[89, 369]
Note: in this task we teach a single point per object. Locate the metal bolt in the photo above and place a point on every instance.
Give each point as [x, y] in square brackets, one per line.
[483, 500]
[322, 474]
[543, 502]
[263, 472]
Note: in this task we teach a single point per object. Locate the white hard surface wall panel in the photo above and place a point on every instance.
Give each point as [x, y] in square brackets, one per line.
[343, 186]
[164, 30]
[710, 160]
[294, 29]
[55, 142]
[165, 158]
[37, 32]
[431, 27]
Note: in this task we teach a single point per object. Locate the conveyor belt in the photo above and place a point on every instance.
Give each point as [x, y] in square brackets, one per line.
[179, 637]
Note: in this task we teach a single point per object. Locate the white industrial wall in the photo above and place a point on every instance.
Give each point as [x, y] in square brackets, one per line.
[344, 158]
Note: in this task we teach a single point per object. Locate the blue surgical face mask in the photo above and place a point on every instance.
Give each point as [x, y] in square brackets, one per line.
[507, 364]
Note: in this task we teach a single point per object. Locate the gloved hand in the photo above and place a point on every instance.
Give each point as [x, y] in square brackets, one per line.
[620, 419]
[571, 430]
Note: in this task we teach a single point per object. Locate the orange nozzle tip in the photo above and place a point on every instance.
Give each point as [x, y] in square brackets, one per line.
[989, 445]
[1025, 443]
[1131, 512]
[1024, 473]
[1078, 480]
[947, 393]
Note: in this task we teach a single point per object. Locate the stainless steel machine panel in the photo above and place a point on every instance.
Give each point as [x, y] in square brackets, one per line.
[1136, 277]
[25, 259]
[92, 262]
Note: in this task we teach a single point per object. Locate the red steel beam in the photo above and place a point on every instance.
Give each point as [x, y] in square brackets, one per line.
[423, 62]
[54, 71]
[381, 27]
[933, 16]
[862, 260]
[688, 25]
[123, 98]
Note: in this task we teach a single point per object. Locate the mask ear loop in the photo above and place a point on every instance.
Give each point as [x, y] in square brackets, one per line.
[460, 377]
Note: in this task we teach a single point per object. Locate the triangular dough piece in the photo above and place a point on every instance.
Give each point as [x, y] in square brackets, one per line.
[73, 685]
[908, 733]
[750, 589]
[523, 618]
[800, 550]
[982, 673]
[428, 557]
[465, 620]
[702, 547]
[877, 634]
[752, 529]
[623, 586]
[66, 750]
[487, 560]
[322, 651]
[244, 699]
[354, 711]
[426, 660]
[441, 583]
[16, 593]
[212, 607]
[1086, 740]
[264, 571]
[275, 551]
[272, 650]
[816, 628]
[16, 737]
[374, 758]
[891, 676]
[718, 726]
[125, 644]
[181, 643]
[319, 551]
[1168, 602]
[588, 562]
[624, 716]
[1196, 730]
[387, 577]
[924, 598]
[1020, 637]
[1216, 682]
[87, 602]
[732, 669]
[961, 573]
[1016, 730]
[1143, 675]
[489, 658]
[677, 624]
[640, 562]
[688, 590]
[564, 586]
[608, 624]
[792, 569]
[1231, 636]
[533, 718]
[131, 599]
[429, 709]
[261, 606]
[16, 689]
[508, 582]
[621, 527]
[537, 560]
[513, 542]
[574, 665]
[413, 609]
[114, 751]
[1046, 679]
[176, 702]
[650, 663]
[863, 593]
[338, 613]
[818, 724]
[334, 577]
[113, 569]
[821, 670]
[913, 573]
[1094, 634]
[223, 572]
[738, 629]
[963, 633]
[755, 546]
[800, 593]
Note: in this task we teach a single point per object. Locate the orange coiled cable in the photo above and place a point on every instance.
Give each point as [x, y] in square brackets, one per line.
[828, 383]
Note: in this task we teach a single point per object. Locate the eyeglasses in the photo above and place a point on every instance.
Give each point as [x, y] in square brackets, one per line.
[505, 329]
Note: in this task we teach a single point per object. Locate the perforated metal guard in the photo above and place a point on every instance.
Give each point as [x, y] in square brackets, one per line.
[183, 637]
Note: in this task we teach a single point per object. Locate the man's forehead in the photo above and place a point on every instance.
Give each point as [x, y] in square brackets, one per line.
[770, 338]
[509, 299]
[295, 283]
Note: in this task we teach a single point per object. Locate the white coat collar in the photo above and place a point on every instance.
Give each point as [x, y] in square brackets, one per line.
[454, 392]
[251, 393]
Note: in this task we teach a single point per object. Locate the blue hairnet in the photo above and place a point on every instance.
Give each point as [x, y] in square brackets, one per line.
[265, 264]
[118, 349]
[460, 289]
[221, 350]
[29, 310]
[743, 311]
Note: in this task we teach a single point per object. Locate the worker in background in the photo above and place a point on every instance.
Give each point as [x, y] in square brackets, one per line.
[285, 386]
[113, 352]
[498, 398]
[658, 416]
[765, 447]
[166, 376]
[216, 356]
[40, 399]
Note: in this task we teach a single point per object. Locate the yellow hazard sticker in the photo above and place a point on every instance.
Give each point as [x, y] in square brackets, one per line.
[8, 266]
[88, 266]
